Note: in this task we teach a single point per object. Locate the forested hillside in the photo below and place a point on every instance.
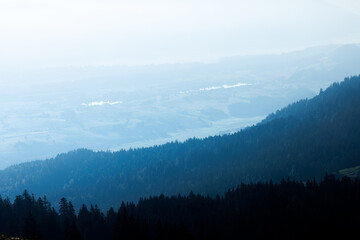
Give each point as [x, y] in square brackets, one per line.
[304, 140]
[264, 210]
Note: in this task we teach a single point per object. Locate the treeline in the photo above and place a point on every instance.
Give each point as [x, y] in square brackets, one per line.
[304, 140]
[265, 210]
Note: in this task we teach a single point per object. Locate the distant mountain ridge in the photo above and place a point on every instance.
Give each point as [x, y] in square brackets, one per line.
[304, 140]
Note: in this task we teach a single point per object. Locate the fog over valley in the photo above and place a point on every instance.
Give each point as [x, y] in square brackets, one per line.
[46, 111]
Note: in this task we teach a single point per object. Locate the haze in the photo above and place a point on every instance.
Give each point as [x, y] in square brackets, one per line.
[107, 32]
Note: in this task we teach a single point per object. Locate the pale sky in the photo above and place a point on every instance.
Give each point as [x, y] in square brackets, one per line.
[132, 32]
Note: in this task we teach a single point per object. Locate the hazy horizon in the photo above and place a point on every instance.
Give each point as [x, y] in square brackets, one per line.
[40, 33]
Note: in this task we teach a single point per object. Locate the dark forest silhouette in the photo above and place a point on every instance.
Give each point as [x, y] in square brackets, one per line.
[288, 210]
[265, 210]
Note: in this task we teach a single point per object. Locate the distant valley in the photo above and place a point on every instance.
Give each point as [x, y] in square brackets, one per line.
[113, 108]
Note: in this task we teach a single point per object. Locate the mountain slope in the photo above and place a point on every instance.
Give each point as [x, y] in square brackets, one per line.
[304, 140]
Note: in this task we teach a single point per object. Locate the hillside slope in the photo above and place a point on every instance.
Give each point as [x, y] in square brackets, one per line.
[304, 140]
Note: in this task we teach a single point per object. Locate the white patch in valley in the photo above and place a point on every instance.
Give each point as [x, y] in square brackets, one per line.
[225, 86]
[101, 103]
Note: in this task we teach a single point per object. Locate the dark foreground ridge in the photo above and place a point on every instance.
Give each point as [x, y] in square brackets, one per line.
[288, 210]
[304, 140]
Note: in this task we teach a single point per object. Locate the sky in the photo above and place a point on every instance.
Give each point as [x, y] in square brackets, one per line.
[42, 33]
